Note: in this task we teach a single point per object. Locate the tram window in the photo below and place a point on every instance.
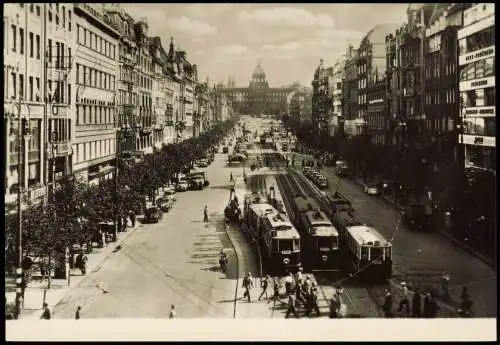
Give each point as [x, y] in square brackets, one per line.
[324, 242]
[388, 252]
[335, 242]
[364, 253]
[296, 244]
[286, 245]
[275, 245]
[376, 253]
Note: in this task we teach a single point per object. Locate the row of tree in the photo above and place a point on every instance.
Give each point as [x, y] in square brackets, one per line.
[72, 214]
[405, 165]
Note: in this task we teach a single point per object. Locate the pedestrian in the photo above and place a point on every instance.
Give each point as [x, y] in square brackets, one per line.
[313, 303]
[247, 285]
[292, 307]
[433, 308]
[416, 303]
[387, 306]
[264, 283]
[427, 305]
[276, 292]
[445, 283]
[81, 262]
[288, 283]
[231, 177]
[299, 277]
[77, 313]
[172, 314]
[205, 214]
[46, 312]
[132, 218]
[405, 300]
[334, 306]
[306, 285]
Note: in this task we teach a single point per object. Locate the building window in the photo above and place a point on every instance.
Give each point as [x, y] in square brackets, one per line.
[21, 86]
[69, 20]
[489, 97]
[489, 67]
[63, 17]
[480, 68]
[38, 10]
[38, 90]
[38, 47]
[31, 43]
[30, 82]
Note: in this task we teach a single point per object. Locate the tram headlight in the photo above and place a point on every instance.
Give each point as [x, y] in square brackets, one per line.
[286, 261]
[324, 257]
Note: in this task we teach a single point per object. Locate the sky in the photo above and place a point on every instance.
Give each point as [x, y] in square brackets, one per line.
[288, 40]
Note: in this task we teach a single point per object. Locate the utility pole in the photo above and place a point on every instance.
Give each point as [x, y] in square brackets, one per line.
[23, 133]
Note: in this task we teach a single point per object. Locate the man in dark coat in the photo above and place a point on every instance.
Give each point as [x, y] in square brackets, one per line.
[387, 306]
[416, 303]
[427, 305]
[433, 308]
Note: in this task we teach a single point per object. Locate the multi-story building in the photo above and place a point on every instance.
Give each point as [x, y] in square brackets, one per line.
[322, 98]
[96, 58]
[350, 93]
[441, 103]
[301, 105]
[158, 91]
[145, 74]
[127, 94]
[338, 74]
[371, 66]
[477, 86]
[170, 87]
[38, 85]
[258, 98]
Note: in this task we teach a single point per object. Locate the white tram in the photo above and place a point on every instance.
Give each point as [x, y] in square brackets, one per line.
[277, 237]
[369, 252]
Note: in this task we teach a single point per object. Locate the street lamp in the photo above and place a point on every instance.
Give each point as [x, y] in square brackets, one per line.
[23, 134]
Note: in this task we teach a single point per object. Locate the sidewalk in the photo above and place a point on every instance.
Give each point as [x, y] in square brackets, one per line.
[34, 293]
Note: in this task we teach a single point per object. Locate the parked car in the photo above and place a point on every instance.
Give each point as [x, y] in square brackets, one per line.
[198, 180]
[225, 149]
[164, 204]
[152, 214]
[170, 194]
[202, 163]
[371, 189]
[322, 182]
[417, 216]
[182, 185]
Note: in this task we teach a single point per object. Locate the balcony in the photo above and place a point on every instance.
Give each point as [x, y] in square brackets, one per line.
[127, 59]
[129, 109]
[58, 109]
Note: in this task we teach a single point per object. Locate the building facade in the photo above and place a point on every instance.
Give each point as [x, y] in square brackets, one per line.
[371, 67]
[322, 98]
[477, 86]
[441, 103]
[39, 47]
[350, 93]
[96, 58]
[258, 98]
[338, 76]
[301, 105]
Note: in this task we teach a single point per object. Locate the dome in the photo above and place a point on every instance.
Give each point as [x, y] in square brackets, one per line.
[258, 72]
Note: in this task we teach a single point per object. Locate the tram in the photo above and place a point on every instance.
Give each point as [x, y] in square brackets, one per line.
[277, 237]
[320, 238]
[368, 253]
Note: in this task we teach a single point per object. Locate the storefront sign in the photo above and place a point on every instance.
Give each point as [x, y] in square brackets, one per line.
[477, 84]
[477, 55]
[480, 111]
[477, 140]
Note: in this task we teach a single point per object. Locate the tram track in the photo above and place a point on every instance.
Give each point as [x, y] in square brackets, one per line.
[359, 297]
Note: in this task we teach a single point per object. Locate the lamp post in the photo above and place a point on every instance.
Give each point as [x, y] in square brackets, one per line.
[23, 133]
